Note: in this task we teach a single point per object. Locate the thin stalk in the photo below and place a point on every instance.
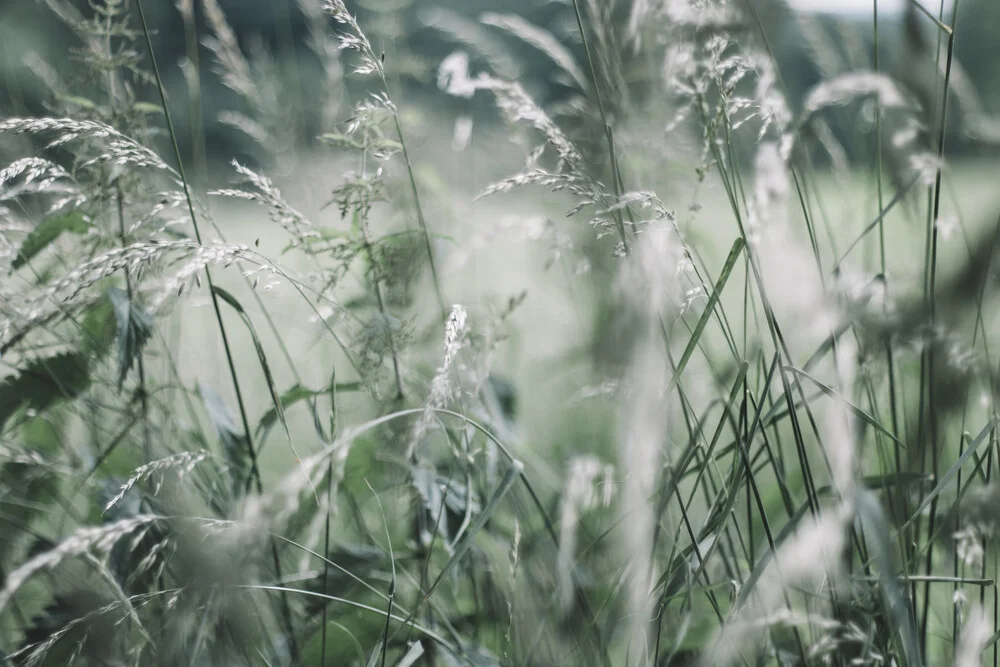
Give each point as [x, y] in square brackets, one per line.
[251, 451]
[140, 363]
[377, 288]
[120, 208]
[416, 202]
[608, 132]
[195, 115]
[929, 357]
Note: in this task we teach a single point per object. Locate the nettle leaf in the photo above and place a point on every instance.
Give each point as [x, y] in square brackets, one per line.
[439, 493]
[234, 441]
[98, 326]
[458, 498]
[29, 488]
[44, 382]
[48, 231]
[135, 326]
[425, 481]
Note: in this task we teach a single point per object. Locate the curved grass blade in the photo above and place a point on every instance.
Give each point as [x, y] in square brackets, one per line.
[946, 478]
[727, 269]
[876, 531]
[858, 412]
[513, 473]
[262, 357]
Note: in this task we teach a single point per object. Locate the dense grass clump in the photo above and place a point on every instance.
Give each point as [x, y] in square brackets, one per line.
[668, 369]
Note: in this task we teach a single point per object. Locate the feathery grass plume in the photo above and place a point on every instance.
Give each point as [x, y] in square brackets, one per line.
[354, 39]
[542, 40]
[974, 639]
[516, 106]
[182, 463]
[37, 172]
[328, 53]
[791, 277]
[810, 558]
[648, 287]
[120, 149]
[442, 386]
[972, 523]
[256, 79]
[515, 556]
[82, 542]
[232, 65]
[262, 190]
[81, 610]
[453, 75]
[906, 142]
[722, 81]
[471, 35]
[52, 299]
[589, 484]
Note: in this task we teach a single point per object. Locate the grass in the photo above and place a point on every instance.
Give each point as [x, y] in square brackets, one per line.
[571, 388]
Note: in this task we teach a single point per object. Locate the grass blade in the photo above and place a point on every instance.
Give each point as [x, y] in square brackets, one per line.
[727, 269]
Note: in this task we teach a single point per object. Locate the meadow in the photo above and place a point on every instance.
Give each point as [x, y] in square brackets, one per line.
[645, 363]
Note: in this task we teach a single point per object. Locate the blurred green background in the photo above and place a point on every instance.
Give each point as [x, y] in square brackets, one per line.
[35, 44]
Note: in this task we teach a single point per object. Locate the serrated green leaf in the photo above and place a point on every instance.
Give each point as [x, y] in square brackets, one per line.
[134, 327]
[234, 442]
[48, 231]
[425, 482]
[98, 326]
[44, 382]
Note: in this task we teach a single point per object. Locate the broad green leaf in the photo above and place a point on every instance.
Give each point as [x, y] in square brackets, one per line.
[44, 382]
[234, 442]
[48, 231]
[98, 327]
[135, 326]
